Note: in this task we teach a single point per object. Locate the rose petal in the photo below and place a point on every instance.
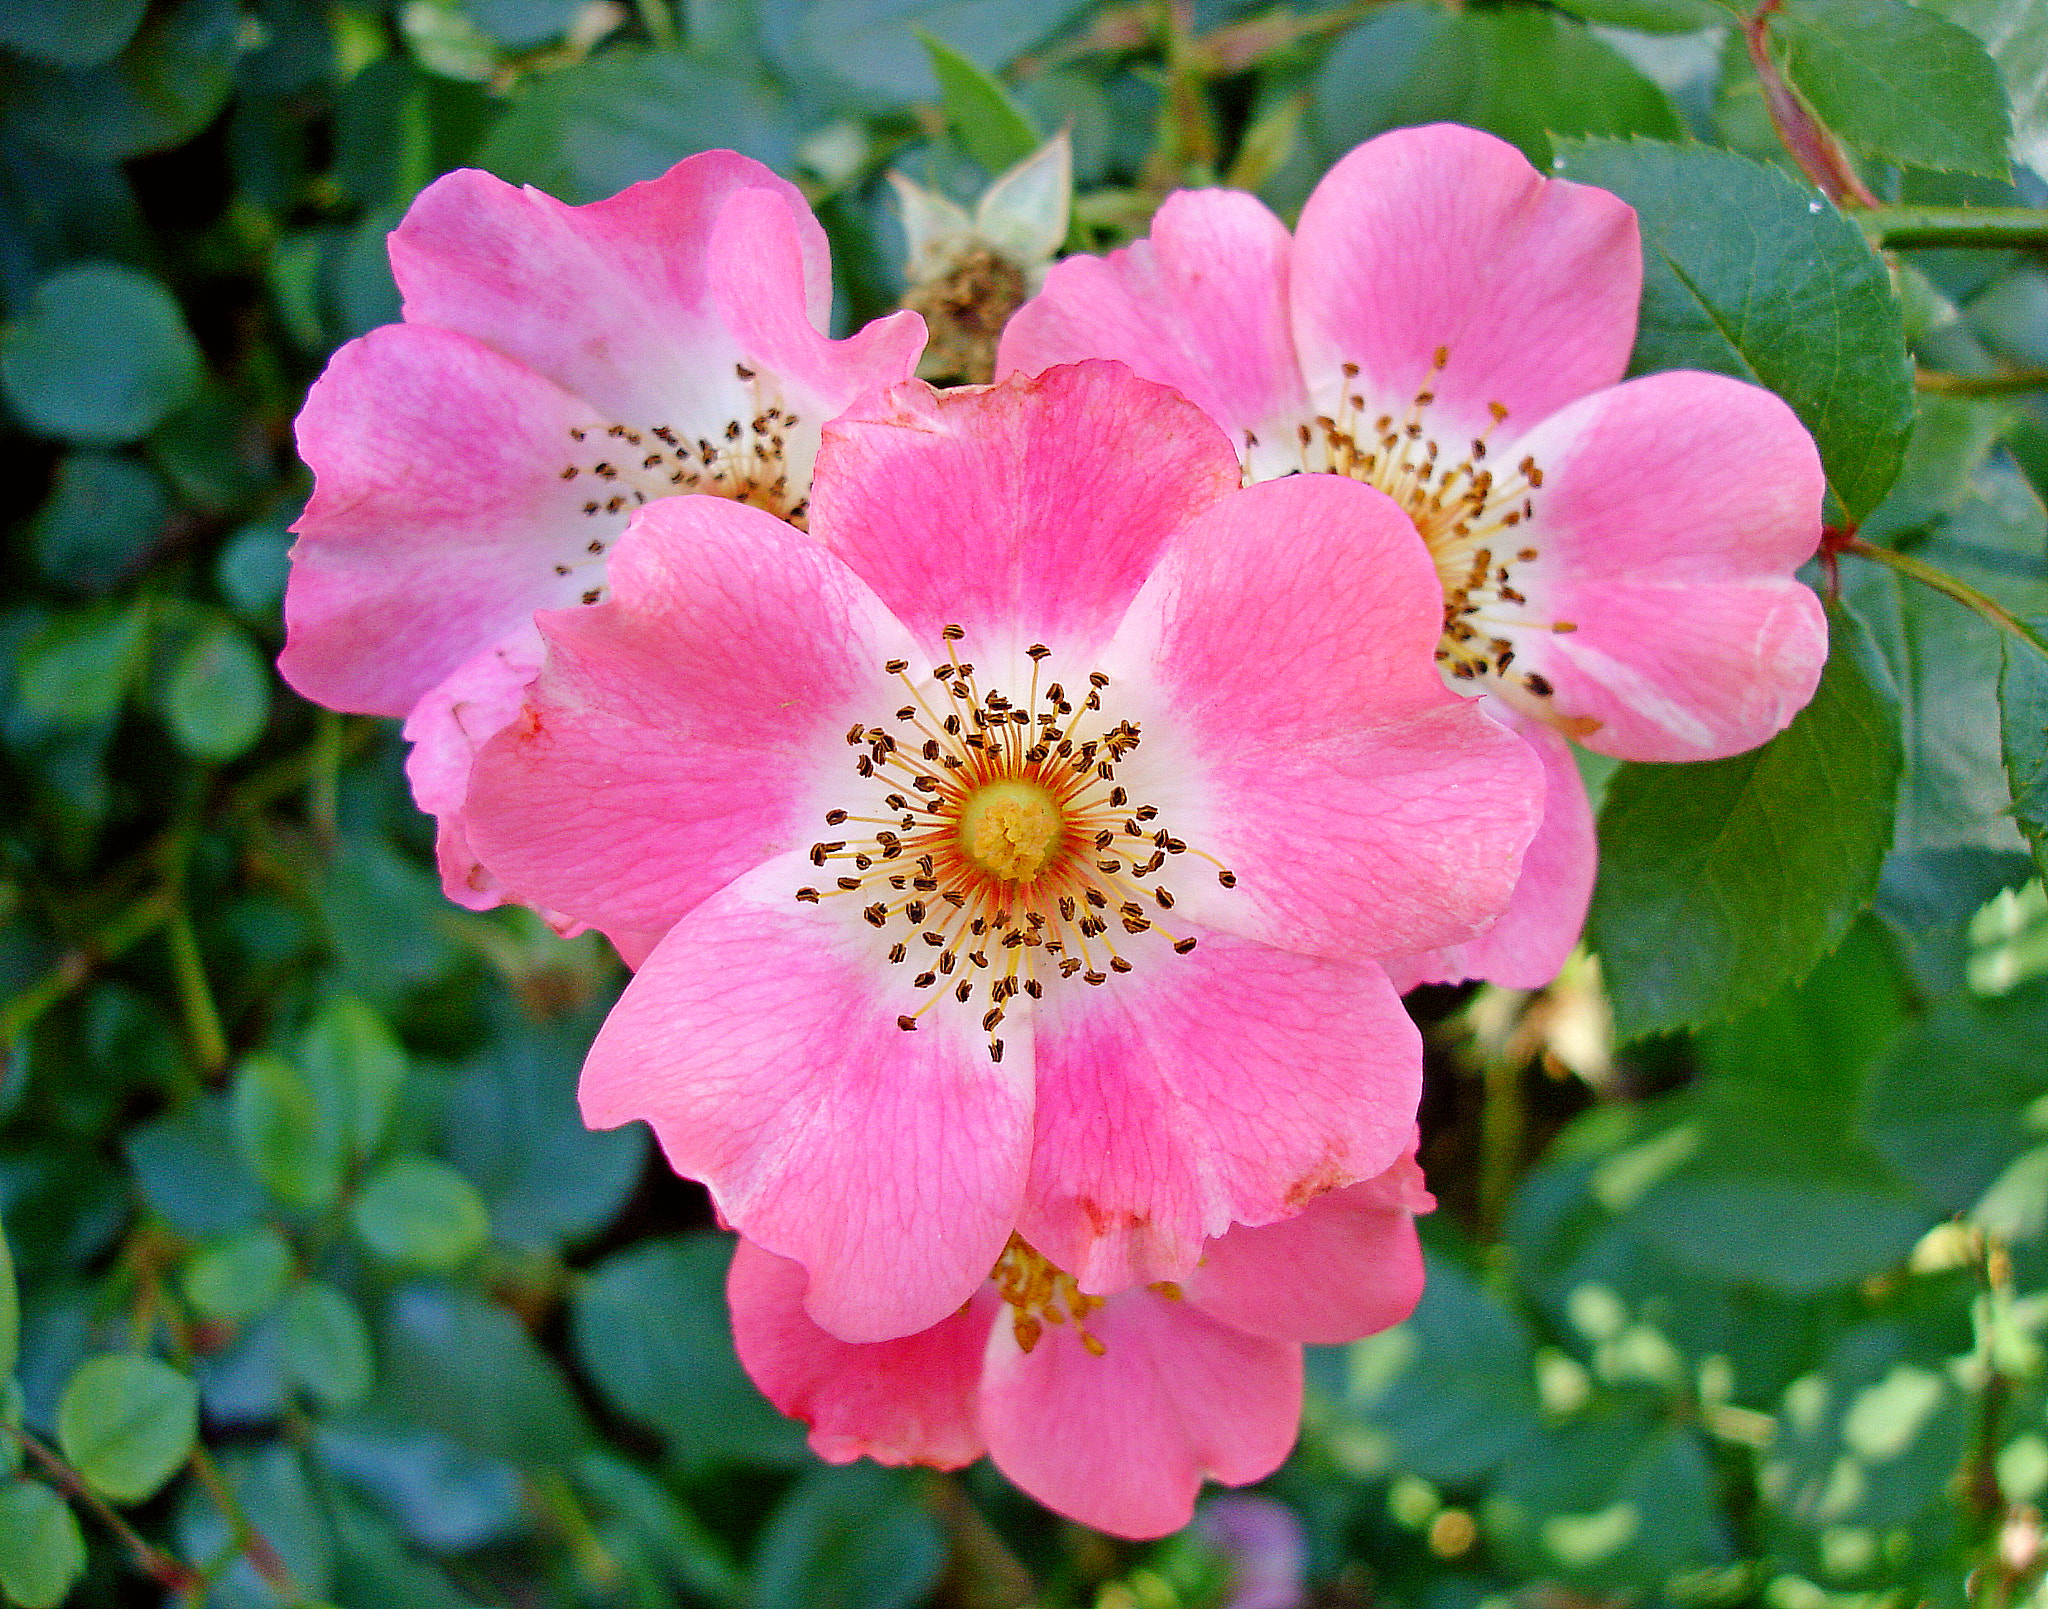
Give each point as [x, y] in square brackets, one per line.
[907, 1401]
[1537, 932]
[1446, 237]
[678, 732]
[1347, 1265]
[439, 519]
[612, 300]
[1673, 512]
[1030, 510]
[1364, 809]
[1231, 1084]
[1201, 306]
[1123, 1441]
[758, 1041]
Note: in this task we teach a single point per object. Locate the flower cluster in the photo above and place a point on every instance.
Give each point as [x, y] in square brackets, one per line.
[1023, 804]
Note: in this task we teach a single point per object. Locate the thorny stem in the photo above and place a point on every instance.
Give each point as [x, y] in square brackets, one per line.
[263, 1558]
[173, 1575]
[1944, 583]
[1819, 154]
[1895, 227]
[1980, 385]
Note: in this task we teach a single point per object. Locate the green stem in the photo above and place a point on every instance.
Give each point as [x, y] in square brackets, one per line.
[263, 1558]
[993, 1576]
[1980, 385]
[1501, 1124]
[195, 994]
[659, 22]
[171, 1574]
[323, 801]
[134, 922]
[2022, 228]
[1949, 587]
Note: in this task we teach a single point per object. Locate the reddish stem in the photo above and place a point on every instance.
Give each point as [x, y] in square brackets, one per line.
[1819, 154]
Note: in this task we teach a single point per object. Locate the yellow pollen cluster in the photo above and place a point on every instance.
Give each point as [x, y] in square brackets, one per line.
[1040, 1294]
[630, 467]
[1466, 512]
[1003, 852]
[1011, 829]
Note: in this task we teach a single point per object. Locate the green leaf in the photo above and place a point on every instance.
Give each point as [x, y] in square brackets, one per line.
[166, 86]
[872, 45]
[2017, 37]
[270, 1483]
[376, 1568]
[654, 1314]
[217, 698]
[853, 1537]
[1722, 881]
[1897, 82]
[42, 1552]
[419, 1213]
[675, 1539]
[590, 130]
[1746, 273]
[188, 1170]
[1960, 1096]
[1606, 1501]
[448, 1497]
[326, 1345]
[463, 1366]
[2023, 731]
[233, 1280]
[71, 33]
[1516, 71]
[1944, 661]
[127, 1423]
[512, 1127]
[1650, 16]
[103, 517]
[102, 356]
[991, 125]
[76, 670]
[1778, 1194]
[355, 1065]
[284, 1137]
[1455, 1387]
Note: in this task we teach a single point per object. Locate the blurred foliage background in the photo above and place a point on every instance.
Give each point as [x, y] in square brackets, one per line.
[326, 1296]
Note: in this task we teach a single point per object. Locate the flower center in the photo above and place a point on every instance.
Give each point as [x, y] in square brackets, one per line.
[1005, 853]
[1468, 514]
[1040, 1294]
[627, 467]
[1011, 829]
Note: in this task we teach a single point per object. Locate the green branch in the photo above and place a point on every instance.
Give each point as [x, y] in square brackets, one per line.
[1949, 587]
[2023, 228]
[1980, 385]
[171, 1574]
